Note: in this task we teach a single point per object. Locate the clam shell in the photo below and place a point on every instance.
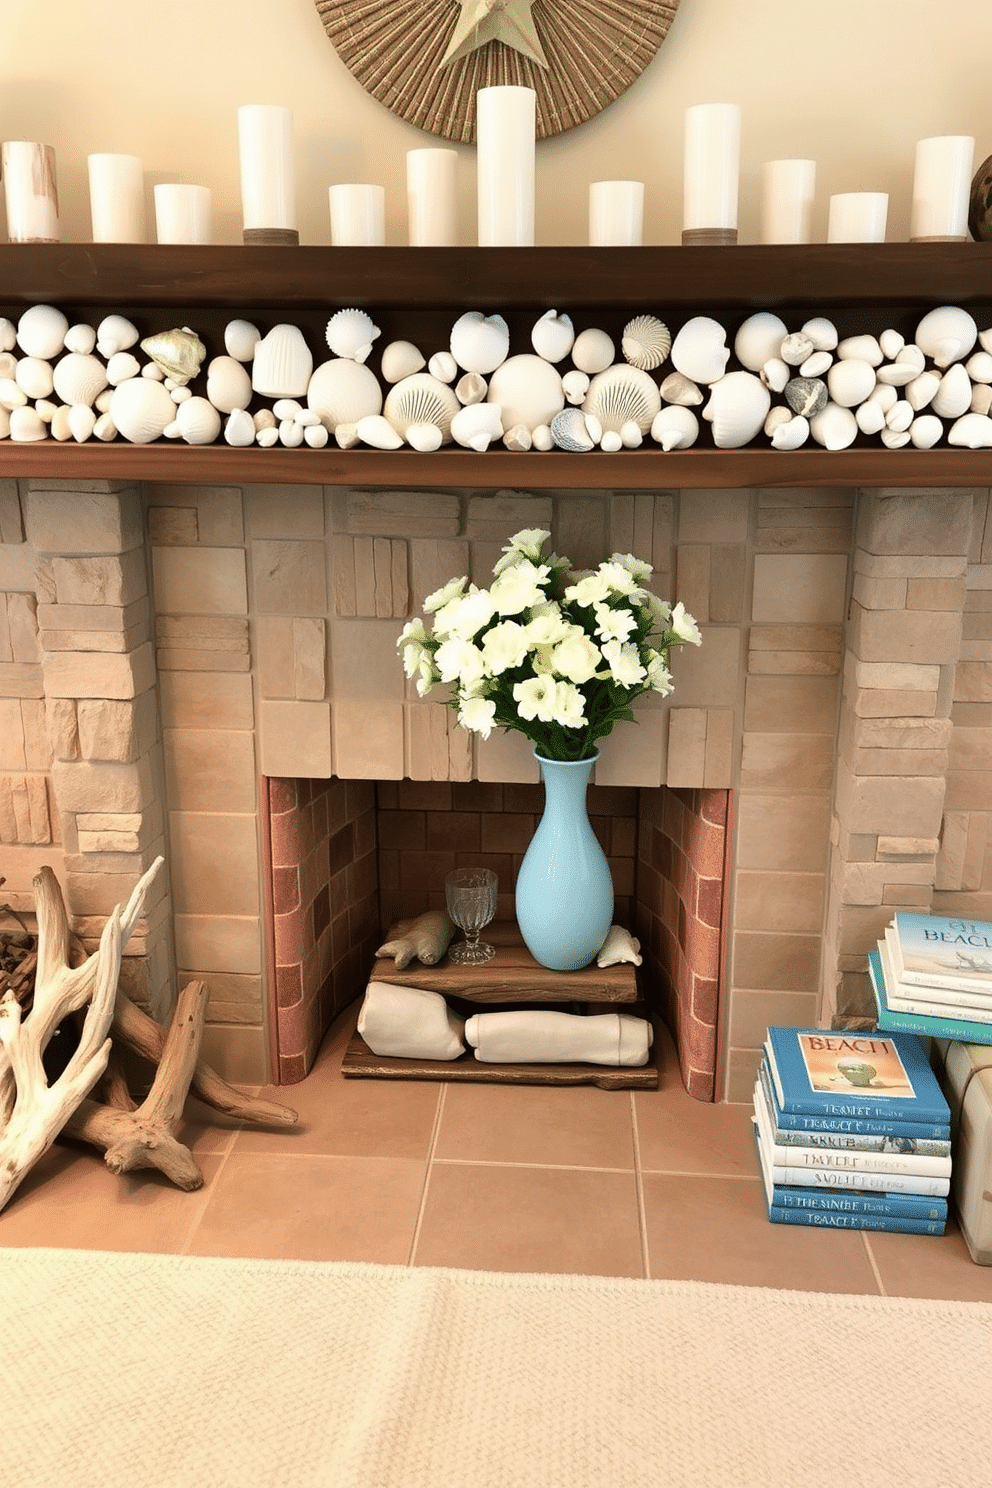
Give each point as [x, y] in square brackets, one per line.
[816, 365]
[646, 342]
[981, 398]
[806, 396]
[476, 425]
[970, 431]
[885, 395]
[834, 427]
[282, 363]
[677, 388]
[775, 374]
[228, 384]
[758, 339]
[105, 429]
[342, 392]
[240, 339]
[593, 351]
[926, 431]
[700, 349]
[862, 348]
[199, 421]
[418, 400]
[115, 333]
[82, 420]
[11, 396]
[315, 436]
[528, 390]
[790, 435]
[913, 356]
[443, 366]
[80, 337]
[777, 414]
[540, 437]
[141, 410]
[350, 333]
[267, 437]
[622, 392]
[892, 343]
[897, 374]
[239, 428]
[822, 332]
[27, 425]
[895, 438]
[59, 425]
[979, 366]
[121, 366]
[899, 416]
[8, 334]
[34, 377]
[851, 381]
[401, 359]
[675, 427]
[570, 432]
[953, 397]
[553, 336]
[179, 353]
[947, 334]
[575, 385]
[290, 434]
[377, 431]
[479, 343]
[4, 424]
[471, 388]
[288, 408]
[737, 408]
[41, 333]
[8, 365]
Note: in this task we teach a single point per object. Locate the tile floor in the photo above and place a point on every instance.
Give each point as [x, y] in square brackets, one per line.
[529, 1178]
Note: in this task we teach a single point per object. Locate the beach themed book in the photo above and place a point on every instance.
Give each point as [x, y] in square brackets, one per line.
[902, 1140]
[975, 1004]
[867, 1076]
[937, 951]
[809, 1161]
[926, 1025]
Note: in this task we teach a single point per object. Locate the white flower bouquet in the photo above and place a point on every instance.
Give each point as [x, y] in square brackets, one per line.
[556, 655]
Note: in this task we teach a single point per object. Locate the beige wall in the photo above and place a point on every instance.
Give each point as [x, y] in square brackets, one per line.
[852, 84]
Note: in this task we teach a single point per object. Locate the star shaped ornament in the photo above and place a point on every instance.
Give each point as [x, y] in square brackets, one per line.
[482, 21]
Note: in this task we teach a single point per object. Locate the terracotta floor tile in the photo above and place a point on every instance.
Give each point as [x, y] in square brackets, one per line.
[312, 1208]
[712, 1229]
[530, 1219]
[677, 1134]
[579, 1127]
[938, 1266]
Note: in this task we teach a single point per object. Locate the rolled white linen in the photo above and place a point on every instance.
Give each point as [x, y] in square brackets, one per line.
[618, 946]
[533, 1036]
[409, 1023]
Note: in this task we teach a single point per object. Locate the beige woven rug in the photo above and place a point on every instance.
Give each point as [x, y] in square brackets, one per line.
[177, 1372]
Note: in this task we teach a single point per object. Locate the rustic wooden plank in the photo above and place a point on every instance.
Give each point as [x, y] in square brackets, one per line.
[360, 1063]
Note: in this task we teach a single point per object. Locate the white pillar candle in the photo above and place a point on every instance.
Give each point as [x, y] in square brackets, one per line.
[616, 214]
[430, 198]
[268, 179]
[30, 192]
[358, 216]
[942, 187]
[182, 214]
[787, 201]
[857, 217]
[117, 198]
[505, 125]
[711, 167]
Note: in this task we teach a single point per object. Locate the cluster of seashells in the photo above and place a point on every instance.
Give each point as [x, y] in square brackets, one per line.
[572, 391]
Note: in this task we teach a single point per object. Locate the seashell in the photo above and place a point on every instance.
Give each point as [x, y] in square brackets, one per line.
[290, 434]
[141, 410]
[791, 435]
[239, 429]
[897, 374]
[228, 384]
[179, 394]
[892, 343]
[528, 389]
[900, 416]
[953, 396]
[700, 349]
[870, 417]
[46, 409]
[150, 370]
[912, 354]
[264, 418]
[269, 436]
[575, 385]
[850, 381]
[862, 348]
[315, 436]
[121, 366]
[979, 366]
[401, 359]
[342, 392]
[925, 431]
[796, 348]
[27, 425]
[41, 333]
[350, 333]
[346, 436]
[479, 343]
[675, 427]
[178, 353]
[806, 396]
[11, 396]
[758, 339]
[443, 366]
[34, 377]
[282, 364]
[595, 428]
[199, 421]
[378, 432]
[240, 339]
[287, 408]
[984, 339]
[895, 438]
[611, 441]
[421, 399]
[885, 395]
[424, 437]
[570, 432]
[115, 333]
[816, 365]
[472, 388]
[834, 427]
[981, 398]
[777, 414]
[307, 419]
[593, 351]
[518, 438]
[552, 336]
[105, 429]
[646, 342]
[59, 426]
[822, 332]
[4, 424]
[80, 337]
[540, 437]
[82, 420]
[946, 334]
[172, 431]
[737, 408]
[621, 393]
[8, 334]
[631, 436]
[775, 374]
[679, 389]
[8, 366]
[970, 431]
[476, 425]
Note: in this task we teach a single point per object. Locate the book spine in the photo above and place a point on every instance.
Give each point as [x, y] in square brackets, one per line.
[859, 1107]
[875, 1162]
[877, 1182]
[941, 1131]
[944, 979]
[821, 1219]
[853, 1142]
[891, 1021]
[905, 1206]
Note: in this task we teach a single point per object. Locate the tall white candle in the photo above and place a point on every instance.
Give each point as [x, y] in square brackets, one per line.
[117, 198]
[616, 214]
[505, 125]
[268, 179]
[711, 166]
[942, 187]
[358, 215]
[858, 217]
[787, 201]
[30, 192]
[430, 198]
[182, 213]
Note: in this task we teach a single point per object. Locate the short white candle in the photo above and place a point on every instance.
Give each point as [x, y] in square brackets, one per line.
[616, 214]
[358, 215]
[505, 134]
[30, 192]
[858, 217]
[430, 198]
[268, 178]
[712, 166]
[182, 214]
[942, 186]
[787, 201]
[117, 198]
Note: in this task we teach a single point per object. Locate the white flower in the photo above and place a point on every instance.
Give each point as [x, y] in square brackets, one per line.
[535, 698]
[659, 677]
[465, 615]
[593, 589]
[505, 646]
[411, 641]
[618, 577]
[659, 610]
[625, 663]
[441, 596]
[614, 625]
[477, 714]
[428, 676]
[519, 587]
[569, 707]
[635, 566]
[546, 626]
[684, 626]
[576, 656]
[525, 544]
[459, 661]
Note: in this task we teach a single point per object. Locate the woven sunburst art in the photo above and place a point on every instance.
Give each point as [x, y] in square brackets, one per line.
[425, 59]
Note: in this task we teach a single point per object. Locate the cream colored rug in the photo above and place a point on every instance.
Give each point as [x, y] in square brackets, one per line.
[148, 1371]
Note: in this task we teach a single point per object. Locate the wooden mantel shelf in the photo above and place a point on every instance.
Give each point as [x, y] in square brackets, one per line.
[416, 293]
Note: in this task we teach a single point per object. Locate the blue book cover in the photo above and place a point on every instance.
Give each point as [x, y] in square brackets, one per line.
[925, 1025]
[936, 951]
[868, 1076]
[812, 1132]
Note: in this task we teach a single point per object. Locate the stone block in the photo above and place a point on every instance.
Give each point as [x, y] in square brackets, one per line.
[82, 521]
[11, 522]
[18, 568]
[914, 521]
[108, 580]
[63, 732]
[908, 566]
[12, 756]
[209, 853]
[790, 705]
[432, 564]
[791, 902]
[289, 577]
[294, 739]
[782, 833]
[22, 628]
[718, 770]
[229, 943]
[900, 806]
[86, 785]
[788, 761]
[969, 790]
[775, 961]
[95, 674]
[865, 883]
[936, 594]
[692, 578]
[368, 739]
[980, 576]
[210, 770]
[580, 529]
[973, 682]
[275, 656]
[799, 587]
[714, 515]
[200, 581]
[117, 730]
[402, 513]
[898, 761]
[173, 526]
[364, 660]
[497, 516]
[206, 700]
[881, 594]
[924, 637]
[686, 748]
[19, 680]
[708, 676]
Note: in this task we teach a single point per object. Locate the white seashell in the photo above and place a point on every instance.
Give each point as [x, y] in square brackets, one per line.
[479, 343]
[759, 339]
[981, 398]
[472, 388]
[775, 374]
[121, 366]
[850, 381]
[984, 339]
[286, 408]
[4, 424]
[518, 438]
[595, 428]
[822, 332]
[105, 429]
[912, 354]
[677, 388]
[862, 349]
[816, 365]
[796, 348]
[82, 419]
[342, 392]
[675, 427]
[269, 436]
[346, 436]
[946, 334]
[897, 374]
[834, 427]
[421, 399]
[27, 425]
[141, 410]
[178, 352]
[900, 416]
[925, 431]
[528, 389]
[264, 418]
[11, 396]
[540, 437]
[700, 349]
[378, 432]
[316, 436]
[240, 339]
[179, 394]
[8, 334]
[239, 428]
[307, 419]
[891, 343]
[611, 442]
[443, 366]
[199, 421]
[895, 438]
[350, 333]
[41, 333]
[8, 366]
[621, 393]
[80, 337]
[885, 395]
[34, 376]
[476, 425]
[593, 351]
[777, 414]
[575, 385]
[228, 384]
[115, 333]
[552, 336]
[570, 431]
[282, 365]
[953, 397]
[59, 425]
[46, 409]
[979, 366]
[631, 436]
[970, 431]
[870, 417]
[424, 437]
[401, 359]
[791, 435]
[646, 342]
[737, 408]
[150, 370]
[290, 434]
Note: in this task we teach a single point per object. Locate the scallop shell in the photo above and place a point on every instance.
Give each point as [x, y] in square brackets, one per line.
[282, 364]
[758, 339]
[946, 334]
[926, 431]
[737, 408]
[970, 431]
[377, 431]
[342, 392]
[27, 425]
[593, 351]
[553, 336]
[953, 397]
[240, 339]
[141, 410]
[41, 332]
[80, 337]
[228, 384]
[570, 431]
[421, 399]
[675, 427]
[851, 381]
[646, 342]
[528, 390]
[401, 359]
[199, 421]
[115, 333]
[34, 376]
[620, 393]
[350, 333]
[834, 427]
[239, 428]
[700, 349]
[179, 353]
[479, 343]
[806, 396]
[862, 348]
[792, 434]
[476, 425]
[822, 332]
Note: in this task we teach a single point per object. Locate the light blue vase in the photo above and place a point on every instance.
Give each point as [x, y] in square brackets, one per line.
[564, 895]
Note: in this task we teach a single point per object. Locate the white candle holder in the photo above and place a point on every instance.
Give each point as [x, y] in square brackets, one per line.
[30, 192]
[182, 213]
[505, 142]
[616, 214]
[788, 188]
[430, 197]
[858, 217]
[942, 189]
[268, 176]
[358, 215]
[711, 173]
[117, 198]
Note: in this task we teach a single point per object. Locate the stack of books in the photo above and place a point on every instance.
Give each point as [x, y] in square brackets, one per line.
[933, 976]
[853, 1131]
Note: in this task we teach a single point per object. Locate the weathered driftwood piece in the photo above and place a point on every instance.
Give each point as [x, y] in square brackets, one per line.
[426, 938]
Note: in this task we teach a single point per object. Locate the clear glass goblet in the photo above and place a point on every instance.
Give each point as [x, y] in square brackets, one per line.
[471, 898]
